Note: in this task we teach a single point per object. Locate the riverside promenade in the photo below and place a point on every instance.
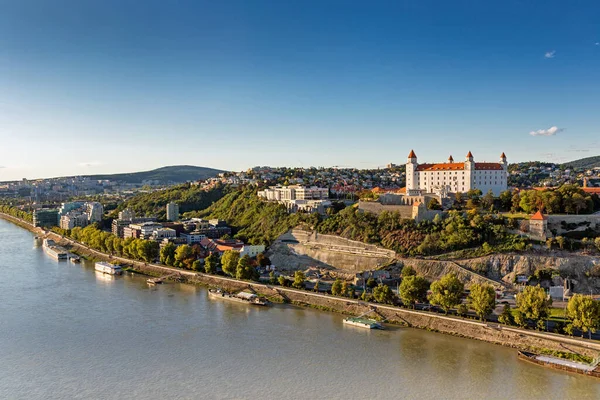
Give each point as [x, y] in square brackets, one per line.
[523, 339]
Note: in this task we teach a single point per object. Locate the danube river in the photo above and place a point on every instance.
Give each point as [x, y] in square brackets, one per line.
[69, 332]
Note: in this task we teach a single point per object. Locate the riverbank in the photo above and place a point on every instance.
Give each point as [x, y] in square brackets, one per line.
[493, 333]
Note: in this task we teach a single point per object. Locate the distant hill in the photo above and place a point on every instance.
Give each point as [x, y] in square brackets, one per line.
[584, 163]
[172, 174]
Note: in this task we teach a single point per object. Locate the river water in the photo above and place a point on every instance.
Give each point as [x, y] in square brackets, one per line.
[68, 332]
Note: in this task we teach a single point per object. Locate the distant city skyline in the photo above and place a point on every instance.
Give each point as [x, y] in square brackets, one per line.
[123, 86]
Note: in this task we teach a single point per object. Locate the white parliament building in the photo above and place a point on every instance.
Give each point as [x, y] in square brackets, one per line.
[453, 177]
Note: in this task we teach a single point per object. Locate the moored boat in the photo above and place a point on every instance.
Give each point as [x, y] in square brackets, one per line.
[241, 297]
[363, 323]
[560, 364]
[111, 269]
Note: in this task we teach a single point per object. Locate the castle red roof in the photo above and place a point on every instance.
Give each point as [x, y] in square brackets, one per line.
[441, 167]
[458, 167]
[538, 216]
[412, 154]
[488, 166]
[469, 154]
[503, 155]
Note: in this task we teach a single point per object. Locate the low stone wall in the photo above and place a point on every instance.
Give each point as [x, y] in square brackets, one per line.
[377, 208]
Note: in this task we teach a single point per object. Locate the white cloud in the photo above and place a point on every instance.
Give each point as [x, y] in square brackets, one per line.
[550, 54]
[597, 43]
[546, 132]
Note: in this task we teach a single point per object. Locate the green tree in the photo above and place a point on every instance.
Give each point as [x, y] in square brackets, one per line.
[434, 204]
[336, 288]
[211, 263]
[282, 281]
[299, 280]
[272, 278]
[446, 292]
[584, 313]
[383, 294]
[167, 251]
[488, 200]
[482, 299]
[462, 310]
[533, 303]
[506, 317]
[316, 287]
[197, 265]
[407, 270]
[413, 289]
[229, 262]
[371, 283]
[184, 256]
[519, 319]
[245, 269]
[263, 260]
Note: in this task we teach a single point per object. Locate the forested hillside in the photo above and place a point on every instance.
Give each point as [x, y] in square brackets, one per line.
[171, 174]
[189, 197]
[254, 220]
[584, 163]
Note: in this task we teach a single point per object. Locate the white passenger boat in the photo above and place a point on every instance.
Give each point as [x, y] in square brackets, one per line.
[107, 268]
[241, 297]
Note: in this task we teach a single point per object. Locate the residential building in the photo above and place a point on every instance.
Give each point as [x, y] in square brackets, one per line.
[45, 217]
[453, 177]
[252, 250]
[172, 211]
[193, 237]
[219, 246]
[73, 219]
[296, 192]
[146, 229]
[70, 206]
[163, 233]
[127, 214]
[95, 211]
[118, 226]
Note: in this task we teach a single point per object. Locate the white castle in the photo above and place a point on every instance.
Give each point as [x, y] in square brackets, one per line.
[451, 177]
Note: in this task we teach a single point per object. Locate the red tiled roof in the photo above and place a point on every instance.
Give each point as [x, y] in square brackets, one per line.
[503, 155]
[469, 154]
[488, 166]
[592, 190]
[441, 167]
[412, 154]
[538, 216]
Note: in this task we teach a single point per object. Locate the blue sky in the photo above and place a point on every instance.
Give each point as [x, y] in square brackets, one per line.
[113, 86]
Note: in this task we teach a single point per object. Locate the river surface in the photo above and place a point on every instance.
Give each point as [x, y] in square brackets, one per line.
[68, 332]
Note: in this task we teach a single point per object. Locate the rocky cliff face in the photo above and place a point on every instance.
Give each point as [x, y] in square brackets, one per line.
[505, 267]
[299, 249]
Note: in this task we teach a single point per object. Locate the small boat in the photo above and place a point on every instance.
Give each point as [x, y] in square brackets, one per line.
[74, 258]
[241, 297]
[363, 323]
[560, 364]
[154, 281]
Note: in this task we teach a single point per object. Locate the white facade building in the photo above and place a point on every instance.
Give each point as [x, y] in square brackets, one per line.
[73, 219]
[451, 177]
[172, 211]
[163, 233]
[252, 250]
[95, 211]
[285, 193]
